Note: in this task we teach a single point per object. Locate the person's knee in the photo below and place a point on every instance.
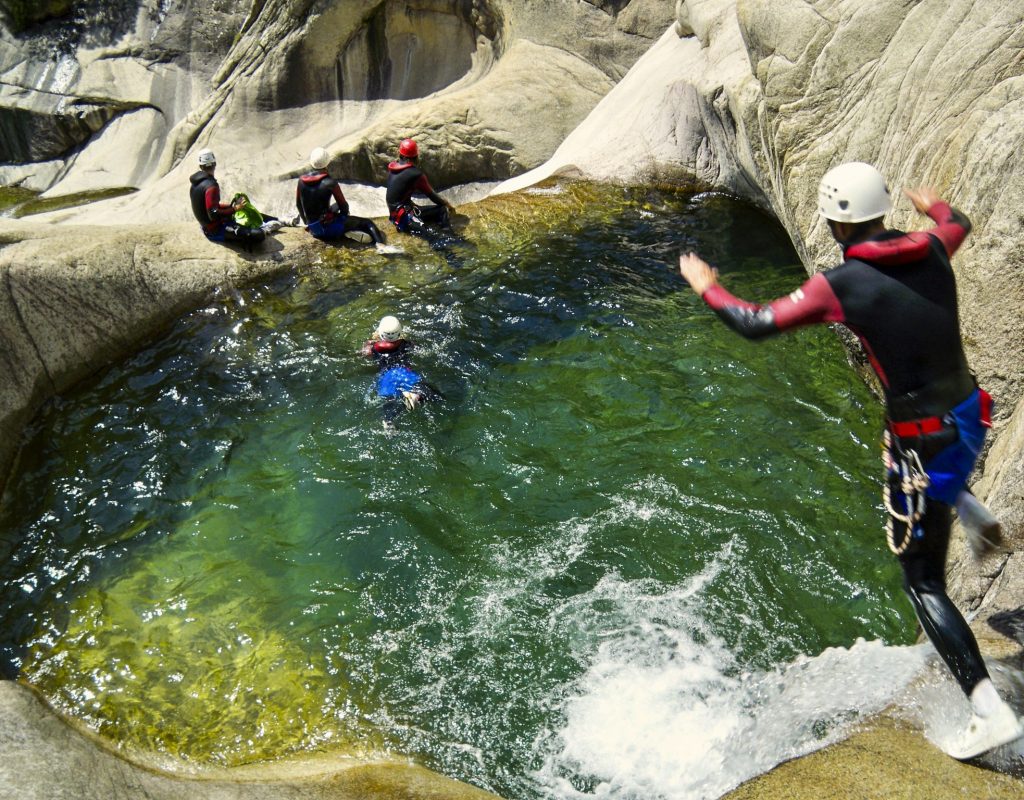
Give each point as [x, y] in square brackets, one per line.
[923, 581]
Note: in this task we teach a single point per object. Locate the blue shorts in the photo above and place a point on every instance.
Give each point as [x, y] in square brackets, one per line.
[334, 229]
[950, 468]
[216, 235]
[394, 381]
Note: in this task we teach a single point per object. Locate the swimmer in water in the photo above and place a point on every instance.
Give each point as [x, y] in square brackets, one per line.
[401, 387]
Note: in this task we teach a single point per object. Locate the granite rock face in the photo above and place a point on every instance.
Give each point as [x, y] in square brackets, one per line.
[264, 82]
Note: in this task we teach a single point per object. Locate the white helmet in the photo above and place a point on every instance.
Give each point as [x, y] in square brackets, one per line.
[207, 158]
[854, 192]
[319, 158]
[390, 329]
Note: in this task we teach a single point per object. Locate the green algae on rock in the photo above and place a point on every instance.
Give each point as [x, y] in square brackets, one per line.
[41, 205]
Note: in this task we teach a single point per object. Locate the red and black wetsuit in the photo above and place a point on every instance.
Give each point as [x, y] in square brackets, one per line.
[897, 293]
[404, 180]
[389, 354]
[216, 218]
[206, 204]
[325, 219]
[313, 195]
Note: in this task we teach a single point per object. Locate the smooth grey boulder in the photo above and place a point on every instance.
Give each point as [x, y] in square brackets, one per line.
[66, 312]
[263, 83]
[42, 757]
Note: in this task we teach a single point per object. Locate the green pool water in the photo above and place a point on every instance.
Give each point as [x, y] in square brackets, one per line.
[215, 550]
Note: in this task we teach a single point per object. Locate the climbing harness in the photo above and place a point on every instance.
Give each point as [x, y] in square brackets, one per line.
[904, 469]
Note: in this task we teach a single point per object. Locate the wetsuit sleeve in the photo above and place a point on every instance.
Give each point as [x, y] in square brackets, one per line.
[298, 203]
[952, 226]
[423, 186]
[339, 198]
[812, 303]
[215, 210]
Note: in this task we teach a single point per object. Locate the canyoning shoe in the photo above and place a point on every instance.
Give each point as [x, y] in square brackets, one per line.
[411, 399]
[984, 733]
[359, 236]
[984, 531]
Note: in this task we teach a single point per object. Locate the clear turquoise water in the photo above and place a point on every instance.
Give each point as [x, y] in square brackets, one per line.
[215, 550]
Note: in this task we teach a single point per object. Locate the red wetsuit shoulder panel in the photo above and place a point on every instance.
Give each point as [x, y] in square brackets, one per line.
[906, 249]
[313, 177]
[951, 229]
[381, 346]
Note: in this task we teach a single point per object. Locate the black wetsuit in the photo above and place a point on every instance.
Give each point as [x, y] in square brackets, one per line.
[216, 218]
[405, 179]
[314, 193]
[897, 293]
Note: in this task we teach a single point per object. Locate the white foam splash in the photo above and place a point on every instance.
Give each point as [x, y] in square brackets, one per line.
[663, 711]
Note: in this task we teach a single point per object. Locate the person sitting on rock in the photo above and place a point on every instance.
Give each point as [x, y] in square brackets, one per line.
[217, 219]
[324, 219]
[397, 383]
[406, 179]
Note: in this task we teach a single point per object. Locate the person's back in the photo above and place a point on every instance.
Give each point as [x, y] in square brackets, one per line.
[898, 293]
[388, 354]
[406, 179]
[203, 187]
[315, 191]
[323, 208]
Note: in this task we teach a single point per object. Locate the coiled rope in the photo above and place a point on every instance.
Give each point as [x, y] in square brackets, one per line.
[913, 481]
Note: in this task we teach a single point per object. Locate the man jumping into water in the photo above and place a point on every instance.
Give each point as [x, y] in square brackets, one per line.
[897, 292]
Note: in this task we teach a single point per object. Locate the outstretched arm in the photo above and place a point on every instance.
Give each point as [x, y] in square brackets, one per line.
[952, 226]
[813, 302]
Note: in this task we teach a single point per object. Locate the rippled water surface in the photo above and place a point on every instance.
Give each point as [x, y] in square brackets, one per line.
[581, 573]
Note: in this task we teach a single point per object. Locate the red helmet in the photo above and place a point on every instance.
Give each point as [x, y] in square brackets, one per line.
[408, 149]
